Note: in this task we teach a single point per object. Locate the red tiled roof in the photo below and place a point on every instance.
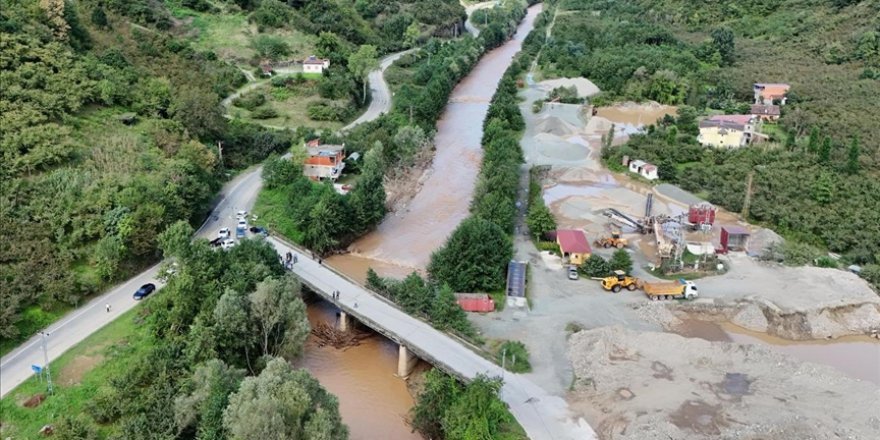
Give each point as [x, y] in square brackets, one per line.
[765, 110]
[572, 241]
[773, 90]
[739, 119]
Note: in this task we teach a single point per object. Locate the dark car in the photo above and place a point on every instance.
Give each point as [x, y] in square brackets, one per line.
[259, 230]
[145, 290]
[215, 242]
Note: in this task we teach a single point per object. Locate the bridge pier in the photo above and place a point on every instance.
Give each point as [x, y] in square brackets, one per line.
[342, 324]
[406, 361]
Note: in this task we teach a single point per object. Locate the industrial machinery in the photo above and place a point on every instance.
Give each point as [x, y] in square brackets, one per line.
[679, 289]
[619, 281]
[615, 240]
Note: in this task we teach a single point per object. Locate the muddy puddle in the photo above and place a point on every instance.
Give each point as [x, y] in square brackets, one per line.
[374, 403]
[855, 356]
[635, 116]
[406, 239]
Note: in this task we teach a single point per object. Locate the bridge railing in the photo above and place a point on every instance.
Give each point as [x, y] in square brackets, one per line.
[375, 325]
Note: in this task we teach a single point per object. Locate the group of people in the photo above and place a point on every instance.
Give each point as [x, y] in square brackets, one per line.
[290, 259]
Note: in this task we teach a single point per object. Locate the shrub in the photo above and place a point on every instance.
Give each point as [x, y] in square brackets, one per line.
[595, 266]
[249, 101]
[621, 260]
[514, 356]
[264, 113]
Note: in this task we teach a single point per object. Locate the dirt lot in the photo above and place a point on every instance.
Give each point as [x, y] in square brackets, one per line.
[659, 386]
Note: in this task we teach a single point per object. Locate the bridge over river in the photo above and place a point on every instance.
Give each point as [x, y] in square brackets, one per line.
[543, 416]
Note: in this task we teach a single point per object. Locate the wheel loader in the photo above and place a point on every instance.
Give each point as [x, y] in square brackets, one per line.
[619, 280]
[615, 240]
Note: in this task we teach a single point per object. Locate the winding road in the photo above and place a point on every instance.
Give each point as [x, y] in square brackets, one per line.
[238, 194]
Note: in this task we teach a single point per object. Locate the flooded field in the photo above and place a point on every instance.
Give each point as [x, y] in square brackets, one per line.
[374, 403]
[406, 239]
[855, 356]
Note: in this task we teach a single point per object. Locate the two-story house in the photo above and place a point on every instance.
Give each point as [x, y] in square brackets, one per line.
[727, 131]
[770, 93]
[324, 161]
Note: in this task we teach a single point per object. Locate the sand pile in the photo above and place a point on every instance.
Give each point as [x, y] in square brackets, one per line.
[556, 148]
[554, 125]
[584, 86]
[659, 386]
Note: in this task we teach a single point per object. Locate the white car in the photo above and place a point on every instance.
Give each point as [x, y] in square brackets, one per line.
[242, 224]
[223, 233]
[241, 215]
[227, 244]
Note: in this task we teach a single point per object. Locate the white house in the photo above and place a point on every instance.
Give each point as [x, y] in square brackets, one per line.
[314, 64]
[644, 169]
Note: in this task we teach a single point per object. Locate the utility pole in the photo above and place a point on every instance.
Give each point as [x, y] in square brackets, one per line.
[44, 336]
[220, 152]
[748, 200]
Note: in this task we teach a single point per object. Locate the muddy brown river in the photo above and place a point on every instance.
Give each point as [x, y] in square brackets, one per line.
[374, 402]
[404, 240]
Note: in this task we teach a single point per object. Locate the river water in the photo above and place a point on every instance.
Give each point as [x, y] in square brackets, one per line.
[374, 402]
[404, 240]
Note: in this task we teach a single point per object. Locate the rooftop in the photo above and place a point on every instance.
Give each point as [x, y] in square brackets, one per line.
[708, 123]
[772, 89]
[572, 241]
[736, 230]
[314, 60]
[739, 119]
[767, 110]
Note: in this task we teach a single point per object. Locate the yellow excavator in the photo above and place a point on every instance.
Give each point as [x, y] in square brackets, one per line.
[619, 280]
[615, 240]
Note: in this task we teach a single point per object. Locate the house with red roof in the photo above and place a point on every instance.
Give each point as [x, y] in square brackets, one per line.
[313, 64]
[574, 245]
[324, 161]
[770, 93]
[768, 113]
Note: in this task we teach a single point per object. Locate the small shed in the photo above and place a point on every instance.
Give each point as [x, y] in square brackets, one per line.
[574, 246]
[475, 302]
[734, 238]
[516, 283]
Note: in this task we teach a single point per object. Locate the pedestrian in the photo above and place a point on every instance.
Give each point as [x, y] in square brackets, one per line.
[108, 307]
[320, 261]
[355, 304]
[294, 259]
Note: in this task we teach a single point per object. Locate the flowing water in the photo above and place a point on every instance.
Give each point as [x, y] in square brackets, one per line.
[406, 239]
[372, 400]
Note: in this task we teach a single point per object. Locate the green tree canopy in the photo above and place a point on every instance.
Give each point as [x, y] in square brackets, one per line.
[475, 257]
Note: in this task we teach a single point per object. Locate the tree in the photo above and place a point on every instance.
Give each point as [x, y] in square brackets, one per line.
[813, 143]
[367, 199]
[174, 240]
[279, 171]
[596, 266]
[99, 17]
[411, 34]
[70, 427]
[362, 63]
[790, 140]
[439, 393]
[282, 403]
[207, 393]
[852, 160]
[723, 41]
[407, 142]
[279, 317]
[199, 111]
[269, 47]
[825, 151]
[474, 258]
[446, 314]
[478, 413]
[55, 12]
[620, 260]
[539, 219]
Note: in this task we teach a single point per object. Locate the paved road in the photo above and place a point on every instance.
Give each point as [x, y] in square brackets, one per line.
[15, 367]
[381, 102]
[238, 194]
[468, 25]
[543, 416]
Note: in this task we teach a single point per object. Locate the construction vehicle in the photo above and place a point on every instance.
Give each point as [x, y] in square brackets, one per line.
[619, 281]
[680, 289]
[615, 240]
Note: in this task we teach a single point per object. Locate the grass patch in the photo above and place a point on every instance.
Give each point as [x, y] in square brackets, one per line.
[270, 210]
[229, 35]
[513, 355]
[573, 327]
[500, 299]
[117, 344]
[33, 319]
[291, 104]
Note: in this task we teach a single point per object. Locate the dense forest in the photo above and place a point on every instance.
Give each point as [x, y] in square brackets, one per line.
[110, 123]
[815, 181]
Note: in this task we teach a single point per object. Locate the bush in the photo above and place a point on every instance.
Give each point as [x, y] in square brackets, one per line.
[323, 111]
[621, 260]
[264, 113]
[826, 261]
[249, 101]
[596, 266]
[514, 356]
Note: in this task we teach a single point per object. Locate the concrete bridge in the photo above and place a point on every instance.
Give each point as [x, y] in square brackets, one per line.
[543, 416]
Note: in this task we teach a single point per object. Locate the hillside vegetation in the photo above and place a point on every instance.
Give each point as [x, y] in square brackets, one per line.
[816, 180]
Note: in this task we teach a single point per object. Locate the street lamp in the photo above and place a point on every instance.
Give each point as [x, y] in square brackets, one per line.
[44, 336]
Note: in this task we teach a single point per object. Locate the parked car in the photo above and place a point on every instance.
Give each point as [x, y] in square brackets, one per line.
[145, 290]
[228, 243]
[241, 215]
[259, 230]
[223, 233]
[573, 272]
[216, 242]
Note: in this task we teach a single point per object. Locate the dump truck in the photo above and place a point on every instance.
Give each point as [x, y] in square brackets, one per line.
[679, 289]
[615, 240]
[619, 281]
